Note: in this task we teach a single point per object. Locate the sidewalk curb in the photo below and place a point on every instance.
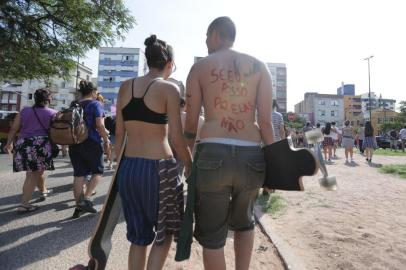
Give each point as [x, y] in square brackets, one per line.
[289, 259]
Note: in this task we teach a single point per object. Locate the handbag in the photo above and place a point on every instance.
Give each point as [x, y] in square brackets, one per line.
[54, 147]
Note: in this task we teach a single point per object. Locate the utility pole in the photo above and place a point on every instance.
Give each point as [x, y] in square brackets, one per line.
[369, 87]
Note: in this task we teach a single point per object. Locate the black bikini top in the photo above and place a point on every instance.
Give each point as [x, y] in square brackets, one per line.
[137, 110]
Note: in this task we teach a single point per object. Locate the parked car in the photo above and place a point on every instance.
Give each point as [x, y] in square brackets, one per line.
[384, 142]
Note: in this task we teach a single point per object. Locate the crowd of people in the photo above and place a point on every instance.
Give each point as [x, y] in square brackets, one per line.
[348, 137]
[159, 132]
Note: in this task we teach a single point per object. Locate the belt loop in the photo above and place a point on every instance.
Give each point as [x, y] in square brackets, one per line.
[233, 150]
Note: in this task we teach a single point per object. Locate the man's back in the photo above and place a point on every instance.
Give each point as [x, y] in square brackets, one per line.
[229, 84]
[402, 133]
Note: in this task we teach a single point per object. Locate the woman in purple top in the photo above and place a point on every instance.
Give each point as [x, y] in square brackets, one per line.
[32, 149]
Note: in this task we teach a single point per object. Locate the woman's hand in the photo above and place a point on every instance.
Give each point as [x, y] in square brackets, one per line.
[9, 147]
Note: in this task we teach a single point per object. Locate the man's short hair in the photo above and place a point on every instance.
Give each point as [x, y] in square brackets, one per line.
[224, 26]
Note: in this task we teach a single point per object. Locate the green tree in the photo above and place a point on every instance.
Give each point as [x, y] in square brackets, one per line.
[41, 38]
[298, 123]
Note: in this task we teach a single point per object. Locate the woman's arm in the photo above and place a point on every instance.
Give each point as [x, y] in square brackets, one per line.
[175, 126]
[120, 128]
[12, 133]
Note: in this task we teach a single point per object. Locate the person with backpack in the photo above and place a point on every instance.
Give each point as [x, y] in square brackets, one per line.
[87, 156]
[32, 151]
[369, 143]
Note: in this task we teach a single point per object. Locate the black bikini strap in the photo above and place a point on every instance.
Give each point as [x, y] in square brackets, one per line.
[149, 85]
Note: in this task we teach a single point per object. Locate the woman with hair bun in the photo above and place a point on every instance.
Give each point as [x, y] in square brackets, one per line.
[32, 150]
[151, 191]
[87, 157]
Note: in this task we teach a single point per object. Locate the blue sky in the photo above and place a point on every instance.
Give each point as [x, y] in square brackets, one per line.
[322, 42]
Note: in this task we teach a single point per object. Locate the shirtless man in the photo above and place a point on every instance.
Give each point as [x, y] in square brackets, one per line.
[236, 92]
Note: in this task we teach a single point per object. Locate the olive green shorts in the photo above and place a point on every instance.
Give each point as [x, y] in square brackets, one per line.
[227, 182]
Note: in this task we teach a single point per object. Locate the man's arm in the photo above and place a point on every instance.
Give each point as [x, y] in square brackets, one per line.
[264, 105]
[282, 130]
[100, 122]
[193, 107]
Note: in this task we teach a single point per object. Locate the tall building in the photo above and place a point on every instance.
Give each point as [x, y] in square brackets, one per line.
[279, 84]
[376, 103]
[322, 108]
[353, 109]
[115, 66]
[346, 90]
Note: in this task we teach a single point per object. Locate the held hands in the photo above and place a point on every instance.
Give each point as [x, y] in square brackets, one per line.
[187, 170]
[9, 148]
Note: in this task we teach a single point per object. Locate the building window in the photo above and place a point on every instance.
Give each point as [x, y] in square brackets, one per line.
[29, 96]
[334, 113]
[4, 107]
[87, 77]
[322, 113]
[334, 103]
[107, 58]
[14, 107]
[379, 120]
[322, 102]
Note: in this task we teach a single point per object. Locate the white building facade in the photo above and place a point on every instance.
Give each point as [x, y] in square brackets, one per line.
[63, 91]
[17, 95]
[322, 108]
[376, 103]
[117, 64]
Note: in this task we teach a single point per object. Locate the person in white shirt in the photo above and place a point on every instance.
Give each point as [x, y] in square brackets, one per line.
[278, 123]
[402, 135]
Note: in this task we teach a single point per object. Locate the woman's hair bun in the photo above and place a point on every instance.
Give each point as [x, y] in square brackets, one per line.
[86, 87]
[150, 41]
[82, 84]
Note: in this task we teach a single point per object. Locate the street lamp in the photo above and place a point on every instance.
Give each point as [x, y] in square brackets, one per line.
[369, 87]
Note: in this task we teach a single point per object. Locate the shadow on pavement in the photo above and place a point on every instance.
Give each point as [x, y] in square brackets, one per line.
[61, 235]
[374, 165]
[15, 199]
[351, 164]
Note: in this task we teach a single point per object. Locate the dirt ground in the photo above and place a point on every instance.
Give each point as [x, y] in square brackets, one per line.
[362, 225]
[264, 255]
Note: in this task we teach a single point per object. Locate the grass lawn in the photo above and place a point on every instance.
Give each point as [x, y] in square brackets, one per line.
[399, 170]
[388, 152]
[272, 203]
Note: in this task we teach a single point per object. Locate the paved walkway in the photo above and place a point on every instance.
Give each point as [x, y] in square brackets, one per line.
[49, 239]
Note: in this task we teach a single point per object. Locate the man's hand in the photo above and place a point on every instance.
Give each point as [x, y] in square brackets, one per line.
[188, 171]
